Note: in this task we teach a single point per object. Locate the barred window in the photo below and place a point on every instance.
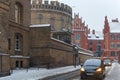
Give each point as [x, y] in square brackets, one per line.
[18, 42]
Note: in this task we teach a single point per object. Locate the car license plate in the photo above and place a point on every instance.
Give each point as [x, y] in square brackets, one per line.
[89, 73]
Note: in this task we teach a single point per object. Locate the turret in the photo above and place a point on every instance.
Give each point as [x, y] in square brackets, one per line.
[52, 5]
[36, 1]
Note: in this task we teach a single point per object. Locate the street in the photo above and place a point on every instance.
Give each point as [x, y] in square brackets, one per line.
[108, 72]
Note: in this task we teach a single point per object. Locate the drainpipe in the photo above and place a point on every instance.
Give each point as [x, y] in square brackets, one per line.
[1, 62]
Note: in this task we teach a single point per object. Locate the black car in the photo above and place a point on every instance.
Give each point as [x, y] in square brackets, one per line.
[92, 68]
[107, 62]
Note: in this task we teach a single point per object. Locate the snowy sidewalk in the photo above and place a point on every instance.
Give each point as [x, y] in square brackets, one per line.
[35, 73]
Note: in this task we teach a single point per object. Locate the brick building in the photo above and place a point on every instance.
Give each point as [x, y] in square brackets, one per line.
[111, 38]
[84, 38]
[80, 32]
[95, 42]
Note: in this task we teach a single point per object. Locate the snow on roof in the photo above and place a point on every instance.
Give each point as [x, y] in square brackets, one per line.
[97, 36]
[114, 27]
[40, 25]
[3, 54]
[81, 52]
[60, 41]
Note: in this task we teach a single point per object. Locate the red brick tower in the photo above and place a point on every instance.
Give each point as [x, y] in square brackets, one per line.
[111, 39]
[106, 32]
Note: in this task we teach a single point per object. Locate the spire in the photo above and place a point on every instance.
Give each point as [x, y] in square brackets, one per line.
[106, 25]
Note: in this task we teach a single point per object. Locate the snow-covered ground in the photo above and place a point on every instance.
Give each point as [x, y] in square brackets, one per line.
[114, 73]
[35, 73]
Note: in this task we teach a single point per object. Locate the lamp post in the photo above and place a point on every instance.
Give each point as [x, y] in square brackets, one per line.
[75, 54]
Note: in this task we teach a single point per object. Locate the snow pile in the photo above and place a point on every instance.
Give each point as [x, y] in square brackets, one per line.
[114, 72]
[35, 73]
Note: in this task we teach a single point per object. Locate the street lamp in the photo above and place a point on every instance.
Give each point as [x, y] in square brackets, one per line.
[75, 54]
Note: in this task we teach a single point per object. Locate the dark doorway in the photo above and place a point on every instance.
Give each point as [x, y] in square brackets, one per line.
[17, 64]
[21, 64]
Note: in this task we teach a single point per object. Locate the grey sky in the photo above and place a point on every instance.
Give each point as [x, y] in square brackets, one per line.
[94, 11]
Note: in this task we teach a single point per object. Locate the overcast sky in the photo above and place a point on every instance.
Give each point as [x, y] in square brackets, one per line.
[94, 11]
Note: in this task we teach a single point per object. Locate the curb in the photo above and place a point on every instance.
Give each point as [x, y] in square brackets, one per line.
[63, 76]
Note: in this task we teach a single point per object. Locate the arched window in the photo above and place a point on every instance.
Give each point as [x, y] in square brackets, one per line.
[77, 36]
[18, 13]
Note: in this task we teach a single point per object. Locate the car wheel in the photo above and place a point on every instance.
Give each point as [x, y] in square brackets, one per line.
[102, 77]
[81, 78]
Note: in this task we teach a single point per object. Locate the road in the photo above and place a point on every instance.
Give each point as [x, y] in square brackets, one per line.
[78, 77]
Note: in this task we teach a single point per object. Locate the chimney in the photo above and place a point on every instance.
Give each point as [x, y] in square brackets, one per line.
[89, 31]
[115, 20]
[93, 31]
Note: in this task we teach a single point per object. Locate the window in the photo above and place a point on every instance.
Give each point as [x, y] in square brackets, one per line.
[118, 45]
[17, 64]
[18, 42]
[9, 44]
[90, 42]
[78, 44]
[99, 42]
[112, 45]
[77, 36]
[18, 13]
[112, 37]
[89, 36]
[118, 37]
[40, 16]
[90, 49]
[97, 36]
[113, 53]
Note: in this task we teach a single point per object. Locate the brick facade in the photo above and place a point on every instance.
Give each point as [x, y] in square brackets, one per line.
[111, 39]
[80, 32]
